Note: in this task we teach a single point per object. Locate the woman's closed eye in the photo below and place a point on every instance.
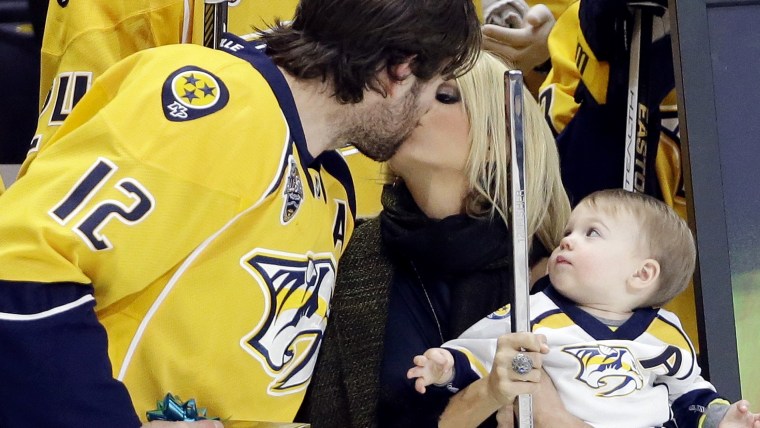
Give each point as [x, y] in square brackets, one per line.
[448, 94]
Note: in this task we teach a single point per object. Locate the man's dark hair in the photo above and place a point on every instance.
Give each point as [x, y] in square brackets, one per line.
[349, 41]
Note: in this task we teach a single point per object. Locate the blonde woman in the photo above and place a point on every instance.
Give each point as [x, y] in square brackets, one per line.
[437, 259]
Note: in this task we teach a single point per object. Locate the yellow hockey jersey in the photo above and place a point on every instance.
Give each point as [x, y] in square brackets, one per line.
[83, 39]
[182, 192]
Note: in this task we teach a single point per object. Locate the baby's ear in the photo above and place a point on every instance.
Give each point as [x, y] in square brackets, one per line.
[647, 273]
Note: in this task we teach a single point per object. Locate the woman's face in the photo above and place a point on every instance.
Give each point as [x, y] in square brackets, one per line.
[440, 142]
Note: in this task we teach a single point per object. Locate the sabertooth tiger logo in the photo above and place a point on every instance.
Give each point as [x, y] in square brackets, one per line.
[298, 290]
[293, 193]
[611, 370]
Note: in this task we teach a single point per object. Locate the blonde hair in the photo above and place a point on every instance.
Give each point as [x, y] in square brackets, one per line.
[487, 169]
[663, 233]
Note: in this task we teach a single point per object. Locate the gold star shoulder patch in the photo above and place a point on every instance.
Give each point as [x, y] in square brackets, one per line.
[191, 93]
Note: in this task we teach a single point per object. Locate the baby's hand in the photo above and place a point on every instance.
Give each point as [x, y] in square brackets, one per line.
[434, 367]
[739, 416]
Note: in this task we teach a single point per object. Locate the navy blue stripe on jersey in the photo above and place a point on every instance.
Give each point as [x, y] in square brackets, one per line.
[60, 359]
[541, 283]
[637, 324]
[632, 328]
[464, 375]
[32, 298]
[253, 52]
[264, 65]
[335, 164]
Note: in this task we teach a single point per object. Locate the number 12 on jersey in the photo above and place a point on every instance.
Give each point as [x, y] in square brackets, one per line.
[87, 187]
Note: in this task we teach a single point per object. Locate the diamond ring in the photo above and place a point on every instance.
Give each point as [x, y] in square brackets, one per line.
[522, 364]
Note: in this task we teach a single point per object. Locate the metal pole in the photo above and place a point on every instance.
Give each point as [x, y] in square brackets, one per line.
[518, 225]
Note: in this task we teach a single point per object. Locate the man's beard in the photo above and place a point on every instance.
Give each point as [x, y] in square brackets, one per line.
[378, 131]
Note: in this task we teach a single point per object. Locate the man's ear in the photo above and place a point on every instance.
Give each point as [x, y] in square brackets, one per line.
[393, 77]
[396, 74]
[402, 71]
[647, 274]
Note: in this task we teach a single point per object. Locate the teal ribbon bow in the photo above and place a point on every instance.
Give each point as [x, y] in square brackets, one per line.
[173, 409]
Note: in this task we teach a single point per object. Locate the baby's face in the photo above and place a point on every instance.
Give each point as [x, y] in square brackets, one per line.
[599, 254]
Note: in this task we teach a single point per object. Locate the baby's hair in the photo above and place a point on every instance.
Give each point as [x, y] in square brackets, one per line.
[663, 232]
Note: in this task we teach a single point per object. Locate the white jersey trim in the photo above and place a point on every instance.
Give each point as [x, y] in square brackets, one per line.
[49, 313]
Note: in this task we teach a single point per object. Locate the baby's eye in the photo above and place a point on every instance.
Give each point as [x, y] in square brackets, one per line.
[448, 95]
[592, 232]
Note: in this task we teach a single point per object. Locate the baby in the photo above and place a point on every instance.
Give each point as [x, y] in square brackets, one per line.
[616, 358]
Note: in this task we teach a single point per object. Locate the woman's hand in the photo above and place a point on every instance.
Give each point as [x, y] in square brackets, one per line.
[474, 404]
[504, 382]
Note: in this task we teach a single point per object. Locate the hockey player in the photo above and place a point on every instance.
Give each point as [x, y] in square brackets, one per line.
[84, 38]
[180, 232]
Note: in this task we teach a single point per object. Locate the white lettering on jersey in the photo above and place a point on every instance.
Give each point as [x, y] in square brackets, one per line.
[230, 45]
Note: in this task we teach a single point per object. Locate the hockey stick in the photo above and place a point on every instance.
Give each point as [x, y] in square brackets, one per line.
[518, 225]
[214, 22]
[637, 119]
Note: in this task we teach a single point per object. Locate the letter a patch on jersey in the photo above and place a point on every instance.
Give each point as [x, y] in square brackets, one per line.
[191, 92]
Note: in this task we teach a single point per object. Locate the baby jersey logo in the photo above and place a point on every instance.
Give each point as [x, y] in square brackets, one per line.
[293, 193]
[286, 341]
[499, 314]
[191, 92]
[612, 370]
